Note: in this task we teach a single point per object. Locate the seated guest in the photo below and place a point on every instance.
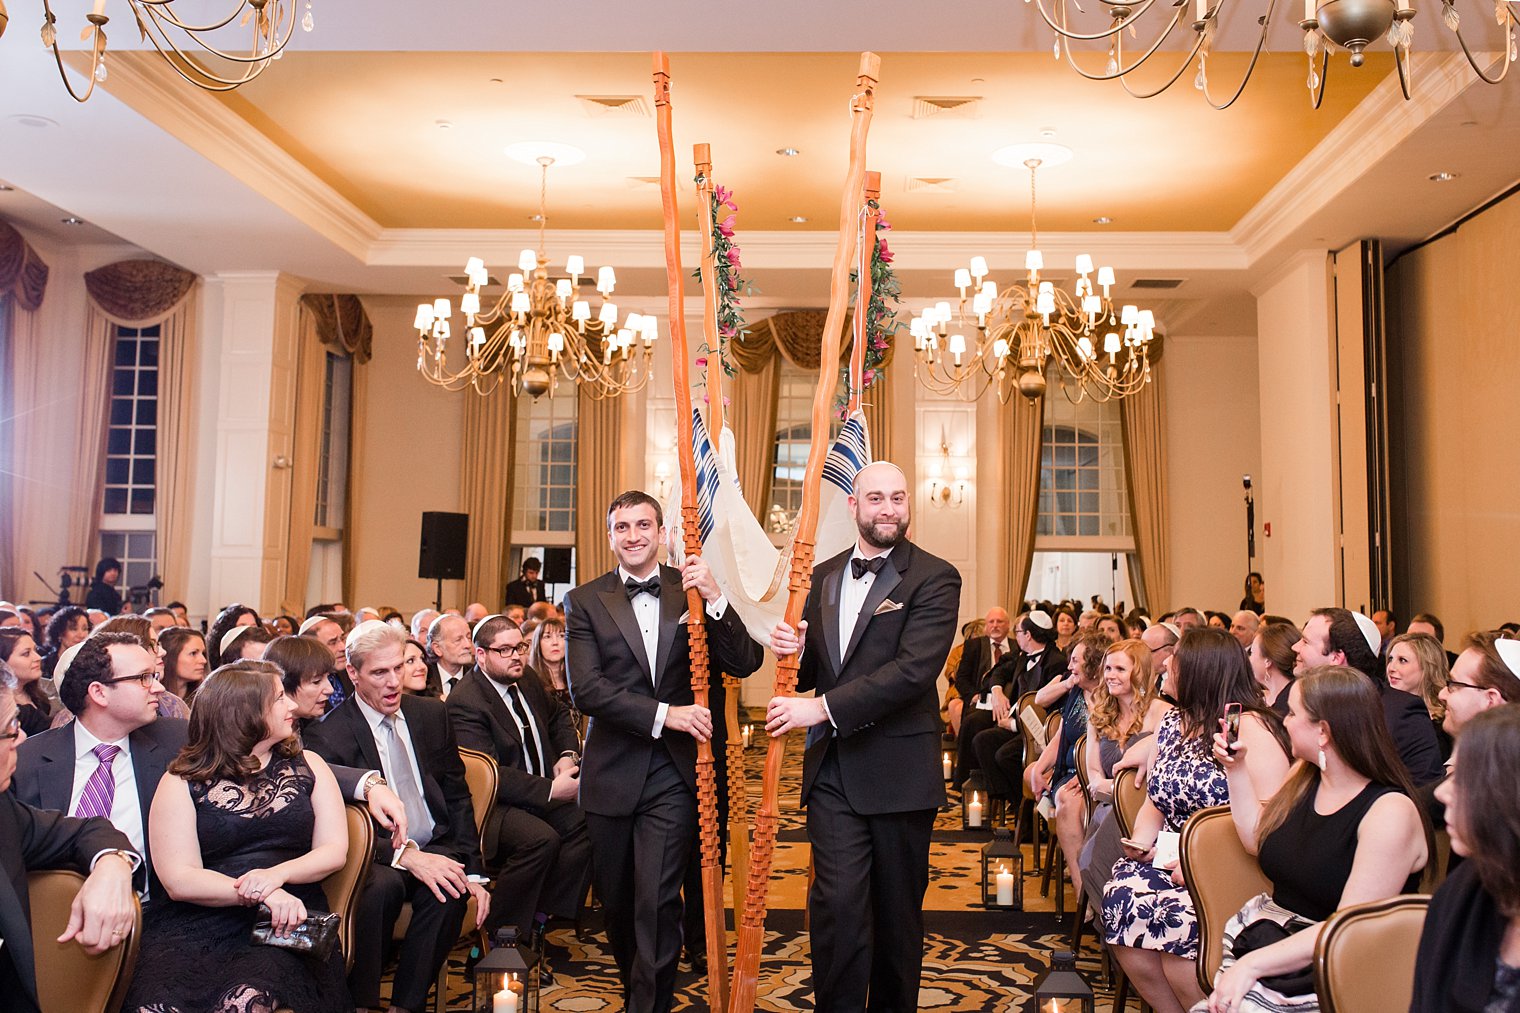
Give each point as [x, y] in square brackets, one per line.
[991, 692]
[32, 840]
[414, 670]
[235, 614]
[244, 819]
[546, 659]
[536, 840]
[1347, 802]
[448, 641]
[18, 652]
[1066, 628]
[1243, 627]
[185, 662]
[411, 740]
[1111, 627]
[1417, 665]
[161, 618]
[67, 627]
[1335, 636]
[1430, 625]
[1148, 917]
[1273, 661]
[108, 760]
[1218, 620]
[1187, 618]
[169, 705]
[950, 709]
[420, 623]
[327, 629]
[517, 613]
[285, 626]
[181, 614]
[1469, 957]
[244, 643]
[475, 612]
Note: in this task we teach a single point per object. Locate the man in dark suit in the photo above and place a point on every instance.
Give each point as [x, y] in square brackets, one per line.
[1336, 636]
[109, 759]
[449, 645]
[408, 738]
[877, 628]
[1035, 664]
[31, 840]
[628, 665]
[972, 686]
[527, 589]
[535, 840]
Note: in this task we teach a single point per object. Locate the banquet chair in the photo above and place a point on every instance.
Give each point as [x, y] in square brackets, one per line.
[1221, 876]
[344, 886]
[1364, 957]
[68, 978]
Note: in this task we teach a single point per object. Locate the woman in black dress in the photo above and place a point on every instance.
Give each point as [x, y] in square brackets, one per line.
[243, 817]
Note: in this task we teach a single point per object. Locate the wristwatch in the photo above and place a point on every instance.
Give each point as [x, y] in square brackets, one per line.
[573, 755]
[371, 783]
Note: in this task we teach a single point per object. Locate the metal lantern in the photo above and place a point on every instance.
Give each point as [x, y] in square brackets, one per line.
[1062, 990]
[503, 981]
[975, 805]
[1002, 873]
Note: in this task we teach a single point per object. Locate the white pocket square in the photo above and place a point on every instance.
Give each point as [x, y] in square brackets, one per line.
[685, 618]
[887, 606]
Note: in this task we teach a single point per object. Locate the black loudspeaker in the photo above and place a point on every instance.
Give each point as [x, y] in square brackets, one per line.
[557, 565]
[442, 547]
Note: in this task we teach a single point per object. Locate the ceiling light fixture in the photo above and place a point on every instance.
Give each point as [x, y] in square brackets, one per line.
[1352, 25]
[1103, 220]
[797, 219]
[177, 39]
[539, 330]
[1028, 326]
[1442, 177]
[71, 220]
[788, 152]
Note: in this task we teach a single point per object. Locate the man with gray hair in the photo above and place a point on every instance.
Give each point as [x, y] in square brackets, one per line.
[1243, 627]
[421, 620]
[448, 641]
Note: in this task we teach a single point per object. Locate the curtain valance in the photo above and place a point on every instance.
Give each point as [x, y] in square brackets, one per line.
[342, 324]
[796, 336]
[22, 272]
[138, 292]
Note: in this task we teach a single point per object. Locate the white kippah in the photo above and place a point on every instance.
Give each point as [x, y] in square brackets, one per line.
[64, 661]
[1509, 651]
[1173, 629]
[311, 623]
[476, 631]
[363, 628]
[230, 637]
[1369, 632]
[1041, 618]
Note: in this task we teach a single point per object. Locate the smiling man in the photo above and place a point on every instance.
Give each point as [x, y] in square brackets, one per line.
[629, 668]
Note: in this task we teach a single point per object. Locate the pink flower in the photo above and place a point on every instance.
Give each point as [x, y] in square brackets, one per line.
[868, 376]
[727, 225]
[733, 282]
[726, 402]
[726, 233]
[722, 193]
[733, 255]
[701, 362]
[886, 254]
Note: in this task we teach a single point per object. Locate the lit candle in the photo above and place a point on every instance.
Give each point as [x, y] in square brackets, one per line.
[100, 7]
[504, 1001]
[1004, 887]
[974, 812]
[945, 763]
[749, 731]
[1309, 10]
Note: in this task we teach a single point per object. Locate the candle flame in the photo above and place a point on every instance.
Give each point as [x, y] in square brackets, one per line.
[974, 798]
[1053, 1007]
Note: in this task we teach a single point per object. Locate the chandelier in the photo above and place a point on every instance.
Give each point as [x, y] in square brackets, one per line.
[1101, 351]
[185, 45]
[1352, 25]
[539, 330]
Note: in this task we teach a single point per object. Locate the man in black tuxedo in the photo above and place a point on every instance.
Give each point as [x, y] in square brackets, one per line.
[109, 759]
[877, 628]
[986, 729]
[535, 840]
[408, 738]
[527, 589]
[1337, 636]
[34, 839]
[628, 665]
[979, 656]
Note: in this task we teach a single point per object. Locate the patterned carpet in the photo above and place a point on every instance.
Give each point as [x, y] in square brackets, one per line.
[974, 960]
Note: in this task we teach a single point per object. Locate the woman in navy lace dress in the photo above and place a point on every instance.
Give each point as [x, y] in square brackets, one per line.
[243, 817]
[1148, 918]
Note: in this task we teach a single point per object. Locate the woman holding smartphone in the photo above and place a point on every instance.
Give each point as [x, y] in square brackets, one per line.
[1148, 917]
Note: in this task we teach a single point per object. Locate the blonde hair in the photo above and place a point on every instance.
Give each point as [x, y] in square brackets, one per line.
[1434, 671]
[1107, 712]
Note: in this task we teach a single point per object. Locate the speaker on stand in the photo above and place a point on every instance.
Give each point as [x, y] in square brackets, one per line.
[441, 548]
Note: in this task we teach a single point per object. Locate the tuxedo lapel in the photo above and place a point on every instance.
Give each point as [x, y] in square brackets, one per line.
[615, 601]
[830, 614]
[672, 604]
[882, 586]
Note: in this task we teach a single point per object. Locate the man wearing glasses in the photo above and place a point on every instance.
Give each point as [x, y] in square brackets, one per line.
[109, 759]
[536, 838]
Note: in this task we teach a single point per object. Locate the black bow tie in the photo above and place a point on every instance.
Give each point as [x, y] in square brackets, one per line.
[635, 588]
[859, 567]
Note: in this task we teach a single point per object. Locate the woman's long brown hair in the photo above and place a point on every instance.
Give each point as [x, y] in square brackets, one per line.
[1488, 754]
[228, 721]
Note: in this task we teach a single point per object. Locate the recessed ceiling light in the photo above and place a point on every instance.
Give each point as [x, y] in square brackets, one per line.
[797, 219]
[443, 124]
[1048, 132]
[1103, 220]
[529, 152]
[535, 218]
[1442, 177]
[31, 120]
[71, 220]
[1015, 155]
[788, 152]
[496, 80]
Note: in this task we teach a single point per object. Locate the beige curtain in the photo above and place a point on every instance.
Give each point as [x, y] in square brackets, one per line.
[174, 496]
[877, 401]
[598, 442]
[87, 488]
[352, 504]
[1145, 468]
[485, 491]
[23, 467]
[306, 462]
[1023, 428]
[753, 420]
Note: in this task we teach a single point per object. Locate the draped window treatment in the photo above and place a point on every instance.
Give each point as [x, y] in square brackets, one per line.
[1145, 469]
[485, 490]
[141, 293]
[23, 283]
[1023, 427]
[598, 437]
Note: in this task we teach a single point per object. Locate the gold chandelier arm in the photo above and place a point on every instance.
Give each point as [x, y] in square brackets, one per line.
[1122, 70]
[198, 74]
[1510, 14]
[1107, 33]
[1266, 23]
[97, 51]
[1181, 69]
[1324, 74]
[163, 10]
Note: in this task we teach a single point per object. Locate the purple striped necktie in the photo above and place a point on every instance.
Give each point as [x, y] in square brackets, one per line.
[100, 790]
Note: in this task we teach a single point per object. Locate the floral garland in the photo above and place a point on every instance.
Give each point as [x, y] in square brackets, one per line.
[881, 319]
[726, 268]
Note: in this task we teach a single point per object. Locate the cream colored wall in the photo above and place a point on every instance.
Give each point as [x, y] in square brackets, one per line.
[1210, 405]
[1454, 306]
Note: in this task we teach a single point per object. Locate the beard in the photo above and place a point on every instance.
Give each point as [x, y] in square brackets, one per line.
[874, 536]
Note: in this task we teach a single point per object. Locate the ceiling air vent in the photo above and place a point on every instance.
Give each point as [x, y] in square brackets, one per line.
[961, 107]
[1155, 283]
[932, 184]
[464, 279]
[632, 106]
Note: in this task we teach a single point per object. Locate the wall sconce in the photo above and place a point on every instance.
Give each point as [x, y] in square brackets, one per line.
[662, 478]
[948, 486]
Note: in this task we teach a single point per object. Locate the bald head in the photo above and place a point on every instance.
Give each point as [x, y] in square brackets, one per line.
[881, 506]
[1243, 627]
[475, 612]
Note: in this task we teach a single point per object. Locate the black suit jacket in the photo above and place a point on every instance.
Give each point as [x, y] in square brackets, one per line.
[45, 771]
[971, 677]
[1413, 734]
[344, 737]
[482, 721]
[612, 683]
[33, 839]
[524, 592]
[882, 694]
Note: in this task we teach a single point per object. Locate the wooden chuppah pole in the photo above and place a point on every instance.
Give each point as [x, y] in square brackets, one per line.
[738, 821]
[696, 627]
[752, 924]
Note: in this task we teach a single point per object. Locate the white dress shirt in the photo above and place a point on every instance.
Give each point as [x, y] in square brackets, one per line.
[646, 612]
[447, 680]
[852, 598]
[126, 812]
[382, 746]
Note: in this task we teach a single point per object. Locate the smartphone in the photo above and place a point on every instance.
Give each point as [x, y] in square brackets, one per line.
[1135, 844]
[1231, 726]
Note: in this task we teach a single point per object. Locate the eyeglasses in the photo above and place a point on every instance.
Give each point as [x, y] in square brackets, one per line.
[12, 729]
[1464, 685]
[504, 653]
[142, 678]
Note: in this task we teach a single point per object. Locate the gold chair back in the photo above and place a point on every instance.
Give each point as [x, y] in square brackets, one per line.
[1221, 876]
[344, 886]
[1031, 754]
[1364, 958]
[68, 978]
[481, 774]
[1129, 796]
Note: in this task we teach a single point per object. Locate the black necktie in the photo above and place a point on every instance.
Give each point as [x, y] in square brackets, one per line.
[530, 732]
[635, 588]
[859, 567]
